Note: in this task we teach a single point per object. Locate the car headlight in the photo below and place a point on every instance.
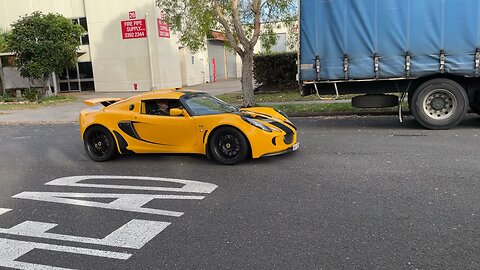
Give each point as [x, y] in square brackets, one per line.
[257, 124]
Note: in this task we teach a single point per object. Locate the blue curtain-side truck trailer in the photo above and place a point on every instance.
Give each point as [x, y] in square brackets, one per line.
[426, 50]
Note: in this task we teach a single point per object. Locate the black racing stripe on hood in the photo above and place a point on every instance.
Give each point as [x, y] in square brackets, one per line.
[282, 127]
[268, 119]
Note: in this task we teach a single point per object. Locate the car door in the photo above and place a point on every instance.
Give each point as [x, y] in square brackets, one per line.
[167, 132]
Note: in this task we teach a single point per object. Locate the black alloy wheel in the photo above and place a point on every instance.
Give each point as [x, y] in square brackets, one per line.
[99, 143]
[228, 145]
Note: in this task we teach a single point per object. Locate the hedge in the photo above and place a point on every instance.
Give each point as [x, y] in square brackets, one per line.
[273, 70]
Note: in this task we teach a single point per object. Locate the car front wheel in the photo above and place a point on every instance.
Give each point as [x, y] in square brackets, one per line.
[99, 143]
[228, 145]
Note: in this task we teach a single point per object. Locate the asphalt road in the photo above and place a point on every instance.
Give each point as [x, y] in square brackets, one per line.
[360, 193]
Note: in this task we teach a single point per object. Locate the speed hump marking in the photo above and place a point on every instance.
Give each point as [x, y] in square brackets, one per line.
[131, 236]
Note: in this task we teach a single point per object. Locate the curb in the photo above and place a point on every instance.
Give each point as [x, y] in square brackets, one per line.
[346, 113]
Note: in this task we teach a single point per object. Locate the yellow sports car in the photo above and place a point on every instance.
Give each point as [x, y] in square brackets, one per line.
[177, 121]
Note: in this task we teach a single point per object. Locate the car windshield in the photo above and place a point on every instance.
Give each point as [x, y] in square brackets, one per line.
[205, 104]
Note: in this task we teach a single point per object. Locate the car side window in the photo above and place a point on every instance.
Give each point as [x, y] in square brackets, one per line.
[160, 106]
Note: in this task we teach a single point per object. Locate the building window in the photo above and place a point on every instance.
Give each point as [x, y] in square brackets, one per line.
[85, 70]
[84, 40]
[78, 78]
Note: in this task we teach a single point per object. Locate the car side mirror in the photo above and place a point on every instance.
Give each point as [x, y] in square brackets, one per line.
[176, 112]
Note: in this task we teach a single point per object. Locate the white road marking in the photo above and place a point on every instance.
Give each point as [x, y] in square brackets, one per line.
[189, 185]
[4, 210]
[20, 138]
[123, 202]
[134, 234]
[13, 249]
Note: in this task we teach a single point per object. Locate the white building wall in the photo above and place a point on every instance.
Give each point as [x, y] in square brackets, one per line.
[118, 64]
[279, 28]
[11, 10]
[197, 69]
[239, 66]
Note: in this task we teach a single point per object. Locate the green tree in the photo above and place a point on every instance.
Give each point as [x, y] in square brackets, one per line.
[44, 43]
[3, 41]
[240, 20]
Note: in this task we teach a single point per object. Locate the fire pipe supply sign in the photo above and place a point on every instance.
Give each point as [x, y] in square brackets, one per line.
[163, 28]
[134, 29]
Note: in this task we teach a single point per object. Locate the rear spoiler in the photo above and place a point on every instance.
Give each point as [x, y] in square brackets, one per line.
[104, 101]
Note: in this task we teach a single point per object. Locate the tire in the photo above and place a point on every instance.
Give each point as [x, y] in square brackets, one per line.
[439, 104]
[375, 101]
[305, 90]
[228, 145]
[99, 144]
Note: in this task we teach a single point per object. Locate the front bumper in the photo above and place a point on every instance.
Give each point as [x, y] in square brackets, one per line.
[288, 150]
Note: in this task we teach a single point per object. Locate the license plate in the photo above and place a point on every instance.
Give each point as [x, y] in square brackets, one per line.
[296, 146]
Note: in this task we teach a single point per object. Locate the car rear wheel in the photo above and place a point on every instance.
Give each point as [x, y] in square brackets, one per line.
[228, 145]
[99, 144]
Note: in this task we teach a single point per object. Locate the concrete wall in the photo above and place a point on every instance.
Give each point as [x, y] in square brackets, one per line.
[11, 10]
[231, 59]
[13, 80]
[119, 63]
[278, 28]
[196, 67]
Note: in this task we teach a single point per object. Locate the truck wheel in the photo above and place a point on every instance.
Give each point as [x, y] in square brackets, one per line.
[439, 104]
[305, 90]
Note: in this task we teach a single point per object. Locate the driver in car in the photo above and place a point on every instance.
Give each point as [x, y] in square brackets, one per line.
[162, 108]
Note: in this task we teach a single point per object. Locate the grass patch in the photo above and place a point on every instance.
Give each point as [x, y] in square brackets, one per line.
[305, 109]
[10, 104]
[299, 109]
[262, 97]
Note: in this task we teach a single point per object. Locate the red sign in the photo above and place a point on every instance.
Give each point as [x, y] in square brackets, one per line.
[132, 15]
[134, 29]
[163, 29]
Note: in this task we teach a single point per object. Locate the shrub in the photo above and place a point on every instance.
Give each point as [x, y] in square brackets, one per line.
[31, 94]
[7, 99]
[276, 70]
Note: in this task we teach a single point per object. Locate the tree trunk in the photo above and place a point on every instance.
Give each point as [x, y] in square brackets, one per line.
[55, 84]
[46, 85]
[247, 79]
